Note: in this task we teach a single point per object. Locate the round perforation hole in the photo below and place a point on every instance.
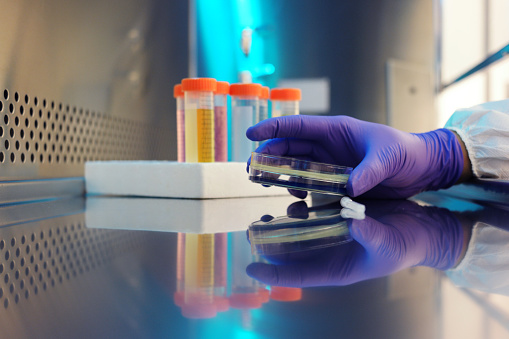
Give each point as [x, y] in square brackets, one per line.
[72, 134]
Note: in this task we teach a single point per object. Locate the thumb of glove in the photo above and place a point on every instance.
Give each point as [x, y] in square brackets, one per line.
[368, 232]
[369, 173]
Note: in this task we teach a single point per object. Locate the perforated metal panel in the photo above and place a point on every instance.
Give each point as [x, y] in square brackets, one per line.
[55, 268]
[58, 251]
[84, 81]
[43, 138]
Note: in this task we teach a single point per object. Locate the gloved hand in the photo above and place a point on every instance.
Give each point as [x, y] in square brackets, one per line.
[388, 163]
[393, 236]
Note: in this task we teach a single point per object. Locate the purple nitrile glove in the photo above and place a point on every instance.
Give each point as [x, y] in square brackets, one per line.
[396, 234]
[388, 163]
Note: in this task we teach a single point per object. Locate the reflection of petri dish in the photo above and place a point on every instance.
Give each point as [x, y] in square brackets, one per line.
[298, 174]
[287, 234]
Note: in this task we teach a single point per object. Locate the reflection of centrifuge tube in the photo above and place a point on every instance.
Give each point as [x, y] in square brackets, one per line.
[247, 293]
[199, 277]
[221, 272]
[178, 296]
[287, 294]
[202, 275]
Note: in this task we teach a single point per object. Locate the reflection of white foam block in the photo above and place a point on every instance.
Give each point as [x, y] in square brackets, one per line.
[173, 180]
[182, 215]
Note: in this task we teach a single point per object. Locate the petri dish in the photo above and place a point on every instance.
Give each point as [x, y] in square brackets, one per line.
[288, 234]
[298, 174]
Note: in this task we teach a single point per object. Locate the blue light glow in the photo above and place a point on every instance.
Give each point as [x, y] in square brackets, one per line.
[220, 24]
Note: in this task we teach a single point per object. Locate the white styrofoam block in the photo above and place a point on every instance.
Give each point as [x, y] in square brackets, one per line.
[172, 179]
[182, 215]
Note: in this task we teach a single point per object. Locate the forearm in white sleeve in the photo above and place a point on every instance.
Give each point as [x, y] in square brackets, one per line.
[485, 266]
[484, 130]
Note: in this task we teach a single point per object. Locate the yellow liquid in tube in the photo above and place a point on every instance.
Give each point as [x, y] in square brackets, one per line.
[205, 127]
[199, 135]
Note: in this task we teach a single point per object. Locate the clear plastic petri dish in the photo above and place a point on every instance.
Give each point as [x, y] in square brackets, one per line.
[287, 234]
[298, 174]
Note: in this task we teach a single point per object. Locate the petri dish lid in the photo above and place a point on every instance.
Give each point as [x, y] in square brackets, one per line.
[298, 174]
[300, 168]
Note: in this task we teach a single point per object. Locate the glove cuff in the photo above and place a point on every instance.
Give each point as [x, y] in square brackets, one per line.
[445, 158]
[445, 241]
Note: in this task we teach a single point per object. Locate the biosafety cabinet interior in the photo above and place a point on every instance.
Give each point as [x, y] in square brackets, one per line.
[93, 80]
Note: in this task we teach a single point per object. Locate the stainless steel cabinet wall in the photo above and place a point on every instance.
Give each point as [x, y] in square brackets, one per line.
[87, 80]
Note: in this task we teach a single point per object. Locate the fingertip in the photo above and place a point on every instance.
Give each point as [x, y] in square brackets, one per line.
[353, 187]
[360, 181]
[252, 270]
[298, 210]
[298, 194]
[258, 132]
[367, 232]
[262, 272]
[251, 133]
[354, 226]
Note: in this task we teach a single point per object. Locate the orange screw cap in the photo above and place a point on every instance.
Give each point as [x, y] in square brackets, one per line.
[199, 84]
[223, 87]
[246, 89]
[286, 94]
[177, 91]
[265, 93]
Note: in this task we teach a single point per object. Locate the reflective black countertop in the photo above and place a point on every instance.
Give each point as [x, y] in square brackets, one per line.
[435, 266]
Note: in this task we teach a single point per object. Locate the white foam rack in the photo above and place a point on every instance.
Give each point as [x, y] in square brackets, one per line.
[170, 179]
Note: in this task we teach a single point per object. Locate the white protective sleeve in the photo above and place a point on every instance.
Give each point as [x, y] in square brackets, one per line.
[485, 266]
[485, 131]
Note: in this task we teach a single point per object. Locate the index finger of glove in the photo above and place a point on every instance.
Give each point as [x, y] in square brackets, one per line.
[294, 126]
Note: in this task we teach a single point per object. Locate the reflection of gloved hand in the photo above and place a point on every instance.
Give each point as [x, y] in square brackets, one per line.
[388, 162]
[394, 236]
